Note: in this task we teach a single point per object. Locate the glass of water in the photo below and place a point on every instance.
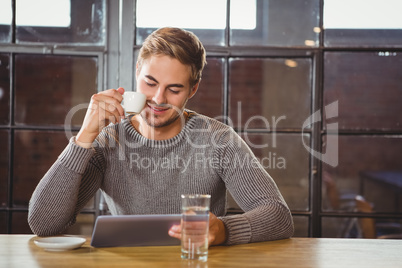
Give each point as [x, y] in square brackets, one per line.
[195, 226]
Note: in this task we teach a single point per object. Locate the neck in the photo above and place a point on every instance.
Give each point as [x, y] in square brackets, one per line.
[158, 133]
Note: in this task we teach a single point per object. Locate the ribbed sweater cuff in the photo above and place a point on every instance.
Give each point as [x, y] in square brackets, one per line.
[75, 157]
[238, 229]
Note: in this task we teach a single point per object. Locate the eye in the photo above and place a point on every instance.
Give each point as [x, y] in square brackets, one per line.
[150, 84]
[174, 91]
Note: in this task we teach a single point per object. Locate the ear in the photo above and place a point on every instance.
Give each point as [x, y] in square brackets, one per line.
[194, 90]
[137, 70]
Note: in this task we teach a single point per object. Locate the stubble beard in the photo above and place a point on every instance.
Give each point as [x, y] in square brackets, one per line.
[152, 122]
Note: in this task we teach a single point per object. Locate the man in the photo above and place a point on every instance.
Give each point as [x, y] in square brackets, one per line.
[143, 163]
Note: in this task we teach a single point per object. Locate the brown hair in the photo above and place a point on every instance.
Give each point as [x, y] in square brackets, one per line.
[176, 43]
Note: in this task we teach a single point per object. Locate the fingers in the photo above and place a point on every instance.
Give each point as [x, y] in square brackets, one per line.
[194, 233]
[104, 108]
[114, 93]
[110, 93]
[217, 231]
[109, 105]
[103, 113]
[109, 101]
[175, 231]
[196, 229]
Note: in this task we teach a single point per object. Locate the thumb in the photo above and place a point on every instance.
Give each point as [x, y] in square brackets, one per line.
[120, 90]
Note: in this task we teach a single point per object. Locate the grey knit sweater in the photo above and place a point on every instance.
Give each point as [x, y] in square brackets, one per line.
[143, 176]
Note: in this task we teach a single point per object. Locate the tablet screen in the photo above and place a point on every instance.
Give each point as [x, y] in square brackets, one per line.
[134, 230]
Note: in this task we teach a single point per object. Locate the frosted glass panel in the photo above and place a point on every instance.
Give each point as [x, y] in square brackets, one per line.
[63, 21]
[5, 21]
[362, 14]
[52, 13]
[275, 23]
[362, 23]
[190, 14]
[207, 18]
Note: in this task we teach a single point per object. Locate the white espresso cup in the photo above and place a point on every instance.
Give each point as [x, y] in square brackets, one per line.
[133, 102]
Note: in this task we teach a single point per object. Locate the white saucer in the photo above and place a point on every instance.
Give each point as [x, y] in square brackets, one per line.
[59, 243]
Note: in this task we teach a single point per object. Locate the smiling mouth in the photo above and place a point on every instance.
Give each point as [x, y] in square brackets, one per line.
[158, 109]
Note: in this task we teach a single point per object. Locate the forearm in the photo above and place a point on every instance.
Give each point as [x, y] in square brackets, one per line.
[264, 223]
[58, 196]
[267, 216]
[53, 203]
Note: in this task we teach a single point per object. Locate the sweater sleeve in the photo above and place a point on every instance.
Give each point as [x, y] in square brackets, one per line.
[64, 190]
[266, 215]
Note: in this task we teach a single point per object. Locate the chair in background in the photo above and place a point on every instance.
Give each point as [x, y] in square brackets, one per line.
[358, 227]
[369, 228]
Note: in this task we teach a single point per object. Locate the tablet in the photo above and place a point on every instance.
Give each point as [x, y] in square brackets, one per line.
[134, 230]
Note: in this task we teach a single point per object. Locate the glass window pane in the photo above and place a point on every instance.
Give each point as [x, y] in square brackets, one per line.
[359, 155]
[287, 161]
[278, 23]
[3, 222]
[62, 21]
[301, 224]
[4, 166]
[346, 227]
[374, 185]
[6, 16]
[209, 98]
[368, 87]
[34, 153]
[339, 227]
[4, 89]
[269, 93]
[363, 23]
[48, 87]
[19, 223]
[362, 38]
[187, 14]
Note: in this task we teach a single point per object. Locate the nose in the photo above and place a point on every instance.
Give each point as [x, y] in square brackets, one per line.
[159, 96]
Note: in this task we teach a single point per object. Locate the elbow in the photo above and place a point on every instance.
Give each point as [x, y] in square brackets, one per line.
[41, 226]
[287, 225]
[37, 225]
[34, 225]
[289, 228]
[42, 229]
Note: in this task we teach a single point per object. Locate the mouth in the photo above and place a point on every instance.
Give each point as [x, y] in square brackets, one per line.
[158, 109]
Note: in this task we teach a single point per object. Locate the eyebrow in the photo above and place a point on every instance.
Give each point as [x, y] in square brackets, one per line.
[150, 77]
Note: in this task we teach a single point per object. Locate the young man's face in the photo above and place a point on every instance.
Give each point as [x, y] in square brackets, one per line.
[166, 83]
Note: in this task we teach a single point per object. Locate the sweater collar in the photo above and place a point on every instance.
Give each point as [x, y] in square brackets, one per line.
[133, 133]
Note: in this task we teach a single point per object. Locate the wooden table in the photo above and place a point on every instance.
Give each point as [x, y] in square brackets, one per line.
[20, 251]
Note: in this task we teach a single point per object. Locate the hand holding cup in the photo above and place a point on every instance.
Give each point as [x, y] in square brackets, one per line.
[105, 108]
